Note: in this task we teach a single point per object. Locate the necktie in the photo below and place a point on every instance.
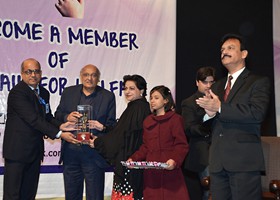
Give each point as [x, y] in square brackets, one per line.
[227, 90]
[36, 93]
[41, 100]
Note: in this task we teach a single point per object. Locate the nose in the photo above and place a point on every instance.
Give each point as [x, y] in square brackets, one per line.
[33, 73]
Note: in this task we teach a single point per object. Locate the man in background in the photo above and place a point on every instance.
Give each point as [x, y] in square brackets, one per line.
[198, 134]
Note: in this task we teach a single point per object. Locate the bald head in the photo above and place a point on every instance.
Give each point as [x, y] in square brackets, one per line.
[28, 60]
[89, 76]
[91, 67]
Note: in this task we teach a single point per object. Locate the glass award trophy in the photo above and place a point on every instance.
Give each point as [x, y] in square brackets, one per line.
[83, 132]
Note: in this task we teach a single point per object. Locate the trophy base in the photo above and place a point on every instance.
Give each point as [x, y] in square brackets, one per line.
[83, 137]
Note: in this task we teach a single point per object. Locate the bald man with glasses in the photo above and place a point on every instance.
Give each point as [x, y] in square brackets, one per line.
[29, 118]
[80, 162]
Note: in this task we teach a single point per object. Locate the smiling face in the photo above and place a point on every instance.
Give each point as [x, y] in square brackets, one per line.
[232, 57]
[131, 91]
[31, 72]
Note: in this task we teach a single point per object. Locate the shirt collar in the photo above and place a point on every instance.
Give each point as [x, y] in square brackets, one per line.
[235, 75]
[38, 90]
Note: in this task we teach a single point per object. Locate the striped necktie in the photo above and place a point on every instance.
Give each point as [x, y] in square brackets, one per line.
[227, 90]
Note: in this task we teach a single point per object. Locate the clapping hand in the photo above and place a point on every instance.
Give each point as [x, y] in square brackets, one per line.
[210, 102]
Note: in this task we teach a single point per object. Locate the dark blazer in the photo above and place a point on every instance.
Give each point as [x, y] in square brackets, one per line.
[104, 111]
[27, 123]
[198, 134]
[236, 143]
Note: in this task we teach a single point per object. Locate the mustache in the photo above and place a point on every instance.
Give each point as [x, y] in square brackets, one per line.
[226, 55]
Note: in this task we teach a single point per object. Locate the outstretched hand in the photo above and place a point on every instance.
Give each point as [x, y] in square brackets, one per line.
[94, 124]
[69, 137]
[68, 126]
[71, 8]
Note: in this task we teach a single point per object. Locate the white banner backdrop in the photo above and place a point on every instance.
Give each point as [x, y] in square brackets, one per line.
[276, 41]
[118, 36]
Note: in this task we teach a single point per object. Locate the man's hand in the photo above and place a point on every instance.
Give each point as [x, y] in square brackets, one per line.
[74, 116]
[68, 126]
[69, 137]
[94, 124]
[211, 103]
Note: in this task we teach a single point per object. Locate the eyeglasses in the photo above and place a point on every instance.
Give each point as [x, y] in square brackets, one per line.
[208, 82]
[86, 75]
[35, 71]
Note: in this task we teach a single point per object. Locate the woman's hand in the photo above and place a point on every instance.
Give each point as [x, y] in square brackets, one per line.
[91, 141]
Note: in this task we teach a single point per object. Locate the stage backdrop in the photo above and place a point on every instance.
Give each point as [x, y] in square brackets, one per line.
[276, 41]
[199, 30]
[120, 37]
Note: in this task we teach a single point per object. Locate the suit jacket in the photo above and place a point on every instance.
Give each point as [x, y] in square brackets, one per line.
[198, 134]
[27, 122]
[104, 111]
[236, 143]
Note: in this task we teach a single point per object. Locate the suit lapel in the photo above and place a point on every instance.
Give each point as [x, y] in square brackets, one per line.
[43, 95]
[99, 101]
[220, 88]
[76, 97]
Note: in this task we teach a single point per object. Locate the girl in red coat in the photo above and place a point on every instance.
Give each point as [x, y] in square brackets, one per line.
[164, 141]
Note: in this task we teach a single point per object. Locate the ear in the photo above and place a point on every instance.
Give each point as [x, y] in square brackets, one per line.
[196, 83]
[141, 92]
[244, 54]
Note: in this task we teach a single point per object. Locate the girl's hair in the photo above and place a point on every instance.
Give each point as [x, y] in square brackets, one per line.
[139, 81]
[166, 94]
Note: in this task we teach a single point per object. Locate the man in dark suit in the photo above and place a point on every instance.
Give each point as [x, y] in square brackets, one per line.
[198, 134]
[80, 162]
[236, 156]
[29, 118]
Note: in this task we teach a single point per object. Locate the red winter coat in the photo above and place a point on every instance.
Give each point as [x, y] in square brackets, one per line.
[163, 139]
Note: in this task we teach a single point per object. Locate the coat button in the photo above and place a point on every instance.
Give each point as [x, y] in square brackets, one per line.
[221, 135]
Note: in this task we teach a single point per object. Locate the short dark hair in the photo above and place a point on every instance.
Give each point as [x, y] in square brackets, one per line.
[139, 81]
[240, 38]
[203, 72]
[166, 94]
